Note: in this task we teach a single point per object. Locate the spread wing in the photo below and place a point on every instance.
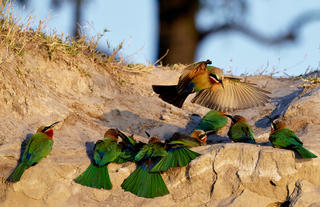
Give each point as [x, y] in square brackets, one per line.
[189, 73]
[234, 95]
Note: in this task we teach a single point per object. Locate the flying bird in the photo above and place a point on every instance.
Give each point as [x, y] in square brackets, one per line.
[39, 146]
[213, 89]
[240, 131]
[283, 137]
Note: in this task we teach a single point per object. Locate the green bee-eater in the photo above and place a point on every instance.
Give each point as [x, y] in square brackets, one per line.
[142, 182]
[214, 90]
[105, 151]
[213, 120]
[178, 153]
[240, 131]
[283, 137]
[39, 146]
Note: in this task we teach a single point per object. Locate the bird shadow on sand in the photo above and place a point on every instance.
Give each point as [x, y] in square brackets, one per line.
[282, 105]
[264, 143]
[89, 150]
[132, 123]
[23, 147]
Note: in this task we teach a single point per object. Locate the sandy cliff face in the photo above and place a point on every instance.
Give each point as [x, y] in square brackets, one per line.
[36, 91]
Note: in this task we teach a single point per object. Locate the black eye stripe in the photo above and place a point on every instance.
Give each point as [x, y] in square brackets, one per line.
[214, 76]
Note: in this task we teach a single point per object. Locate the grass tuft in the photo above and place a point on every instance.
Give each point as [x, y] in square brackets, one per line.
[24, 36]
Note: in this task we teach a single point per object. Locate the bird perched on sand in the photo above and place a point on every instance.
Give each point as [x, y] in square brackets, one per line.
[283, 137]
[214, 90]
[39, 146]
[239, 130]
[142, 182]
[178, 154]
[213, 120]
[105, 151]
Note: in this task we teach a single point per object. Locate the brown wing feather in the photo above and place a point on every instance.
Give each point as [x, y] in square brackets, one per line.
[189, 73]
[234, 95]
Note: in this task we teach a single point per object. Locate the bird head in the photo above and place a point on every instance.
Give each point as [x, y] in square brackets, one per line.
[48, 129]
[200, 135]
[216, 75]
[154, 140]
[207, 62]
[276, 125]
[112, 133]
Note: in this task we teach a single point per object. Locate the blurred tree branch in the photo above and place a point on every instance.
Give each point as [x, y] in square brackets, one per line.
[290, 35]
[178, 31]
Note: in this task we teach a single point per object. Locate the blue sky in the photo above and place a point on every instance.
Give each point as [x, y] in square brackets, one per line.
[135, 24]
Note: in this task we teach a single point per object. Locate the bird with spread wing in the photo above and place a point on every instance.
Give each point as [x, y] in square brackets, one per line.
[214, 90]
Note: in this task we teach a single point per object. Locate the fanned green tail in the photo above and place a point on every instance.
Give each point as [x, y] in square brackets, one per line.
[305, 153]
[17, 173]
[177, 157]
[95, 176]
[145, 184]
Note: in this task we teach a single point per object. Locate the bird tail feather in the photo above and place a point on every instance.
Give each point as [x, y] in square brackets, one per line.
[178, 157]
[145, 184]
[17, 173]
[170, 94]
[305, 153]
[95, 176]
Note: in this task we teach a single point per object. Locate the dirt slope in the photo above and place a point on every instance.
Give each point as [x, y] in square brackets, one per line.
[89, 98]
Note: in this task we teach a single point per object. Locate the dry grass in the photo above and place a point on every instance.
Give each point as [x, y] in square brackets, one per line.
[20, 37]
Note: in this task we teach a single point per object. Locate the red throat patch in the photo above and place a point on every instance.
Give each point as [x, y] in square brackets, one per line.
[204, 139]
[49, 133]
[271, 128]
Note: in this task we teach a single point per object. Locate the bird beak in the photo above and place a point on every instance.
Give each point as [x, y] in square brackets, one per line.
[227, 115]
[232, 119]
[55, 123]
[49, 127]
[147, 134]
[220, 81]
[121, 134]
[210, 132]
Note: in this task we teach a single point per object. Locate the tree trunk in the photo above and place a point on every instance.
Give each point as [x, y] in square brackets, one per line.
[177, 31]
[77, 19]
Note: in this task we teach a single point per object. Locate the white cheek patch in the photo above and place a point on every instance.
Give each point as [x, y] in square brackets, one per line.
[212, 80]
